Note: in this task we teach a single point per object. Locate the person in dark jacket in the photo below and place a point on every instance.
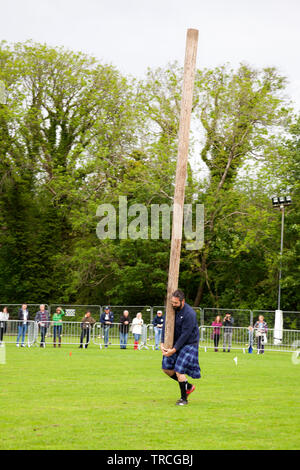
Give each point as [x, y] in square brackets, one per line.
[182, 358]
[228, 322]
[124, 328]
[86, 324]
[23, 316]
[158, 325]
[42, 318]
[106, 319]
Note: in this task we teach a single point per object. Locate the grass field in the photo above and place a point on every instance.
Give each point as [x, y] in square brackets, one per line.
[119, 399]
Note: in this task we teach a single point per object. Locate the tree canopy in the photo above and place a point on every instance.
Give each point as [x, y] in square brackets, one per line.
[75, 134]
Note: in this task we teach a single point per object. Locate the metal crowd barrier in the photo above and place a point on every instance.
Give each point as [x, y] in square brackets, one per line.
[70, 333]
[241, 338]
[14, 331]
[77, 312]
[106, 336]
[118, 310]
[291, 320]
[241, 317]
[65, 332]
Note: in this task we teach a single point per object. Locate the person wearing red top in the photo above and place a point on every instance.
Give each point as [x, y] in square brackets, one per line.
[217, 324]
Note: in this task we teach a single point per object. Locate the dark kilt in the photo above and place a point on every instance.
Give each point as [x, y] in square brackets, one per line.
[185, 361]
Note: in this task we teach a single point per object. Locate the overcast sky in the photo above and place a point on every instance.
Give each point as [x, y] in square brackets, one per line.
[135, 34]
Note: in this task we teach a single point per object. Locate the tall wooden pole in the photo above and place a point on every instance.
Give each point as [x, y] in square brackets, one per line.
[181, 173]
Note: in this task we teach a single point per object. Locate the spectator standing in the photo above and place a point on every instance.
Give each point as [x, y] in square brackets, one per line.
[228, 322]
[86, 325]
[57, 326]
[217, 324]
[260, 328]
[42, 319]
[23, 316]
[158, 325]
[4, 316]
[106, 319]
[137, 324]
[124, 328]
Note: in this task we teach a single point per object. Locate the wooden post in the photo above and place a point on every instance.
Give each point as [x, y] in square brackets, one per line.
[181, 173]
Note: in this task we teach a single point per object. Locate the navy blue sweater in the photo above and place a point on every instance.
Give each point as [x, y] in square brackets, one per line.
[158, 320]
[186, 329]
[102, 318]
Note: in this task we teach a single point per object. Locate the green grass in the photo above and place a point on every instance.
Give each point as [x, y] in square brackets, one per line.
[120, 399]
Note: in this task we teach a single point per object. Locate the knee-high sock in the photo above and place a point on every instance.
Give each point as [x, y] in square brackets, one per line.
[174, 377]
[183, 387]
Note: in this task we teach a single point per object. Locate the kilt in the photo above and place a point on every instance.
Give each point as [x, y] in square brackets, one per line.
[185, 361]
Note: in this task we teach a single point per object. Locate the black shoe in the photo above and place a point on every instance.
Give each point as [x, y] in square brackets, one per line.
[181, 402]
[80, 347]
[224, 350]
[228, 350]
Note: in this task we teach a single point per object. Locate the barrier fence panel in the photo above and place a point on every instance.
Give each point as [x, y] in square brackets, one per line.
[291, 320]
[231, 338]
[76, 312]
[111, 335]
[269, 316]
[223, 338]
[64, 332]
[117, 310]
[242, 317]
[17, 332]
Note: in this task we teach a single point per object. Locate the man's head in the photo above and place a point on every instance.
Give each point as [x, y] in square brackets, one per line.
[24, 306]
[159, 313]
[42, 307]
[107, 310]
[125, 313]
[88, 314]
[178, 300]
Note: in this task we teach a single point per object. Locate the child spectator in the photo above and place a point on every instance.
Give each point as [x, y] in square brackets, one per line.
[260, 328]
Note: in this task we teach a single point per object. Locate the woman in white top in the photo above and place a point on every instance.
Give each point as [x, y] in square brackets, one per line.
[4, 316]
[137, 324]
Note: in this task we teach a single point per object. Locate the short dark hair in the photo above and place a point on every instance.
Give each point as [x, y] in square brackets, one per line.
[179, 294]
